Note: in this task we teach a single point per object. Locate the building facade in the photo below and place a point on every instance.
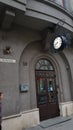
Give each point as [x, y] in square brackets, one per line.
[37, 80]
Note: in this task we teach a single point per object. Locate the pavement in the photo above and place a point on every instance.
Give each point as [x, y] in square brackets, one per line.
[58, 123]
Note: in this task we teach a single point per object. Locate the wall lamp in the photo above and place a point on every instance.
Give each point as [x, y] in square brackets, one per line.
[7, 50]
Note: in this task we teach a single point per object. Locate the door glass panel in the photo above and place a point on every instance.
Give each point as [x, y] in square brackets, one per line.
[51, 85]
[52, 97]
[42, 99]
[51, 90]
[41, 86]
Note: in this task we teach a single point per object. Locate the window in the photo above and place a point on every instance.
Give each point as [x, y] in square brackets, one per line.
[60, 2]
[69, 5]
[44, 64]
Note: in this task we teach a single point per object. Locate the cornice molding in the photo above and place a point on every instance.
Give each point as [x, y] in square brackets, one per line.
[57, 6]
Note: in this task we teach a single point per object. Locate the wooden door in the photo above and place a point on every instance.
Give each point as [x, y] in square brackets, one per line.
[46, 92]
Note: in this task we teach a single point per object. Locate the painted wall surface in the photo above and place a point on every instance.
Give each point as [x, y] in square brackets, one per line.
[64, 84]
[9, 72]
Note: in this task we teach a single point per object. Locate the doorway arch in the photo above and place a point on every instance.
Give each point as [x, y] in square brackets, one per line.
[46, 90]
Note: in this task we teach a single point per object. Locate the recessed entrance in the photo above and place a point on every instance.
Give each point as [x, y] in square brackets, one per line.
[46, 90]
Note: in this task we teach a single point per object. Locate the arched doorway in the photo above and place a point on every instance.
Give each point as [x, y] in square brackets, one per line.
[46, 90]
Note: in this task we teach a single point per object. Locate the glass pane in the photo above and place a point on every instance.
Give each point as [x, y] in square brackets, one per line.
[52, 97]
[60, 2]
[37, 65]
[42, 99]
[50, 67]
[41, 86]
[44, 65]
[51, 85]
[69, 5]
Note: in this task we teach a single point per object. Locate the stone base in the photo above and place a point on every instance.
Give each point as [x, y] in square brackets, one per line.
[66, 108]
[23, 120]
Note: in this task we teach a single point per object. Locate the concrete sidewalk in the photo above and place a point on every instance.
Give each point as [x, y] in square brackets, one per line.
[58, 123]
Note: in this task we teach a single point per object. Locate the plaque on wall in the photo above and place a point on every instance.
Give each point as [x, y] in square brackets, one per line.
[24, 88]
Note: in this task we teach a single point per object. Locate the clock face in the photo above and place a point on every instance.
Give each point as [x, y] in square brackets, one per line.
[57, 42]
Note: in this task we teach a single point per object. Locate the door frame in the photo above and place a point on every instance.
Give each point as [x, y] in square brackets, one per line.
[49, 74]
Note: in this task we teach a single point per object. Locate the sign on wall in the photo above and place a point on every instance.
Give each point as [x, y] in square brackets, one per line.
[24, 88]
[7, 60]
